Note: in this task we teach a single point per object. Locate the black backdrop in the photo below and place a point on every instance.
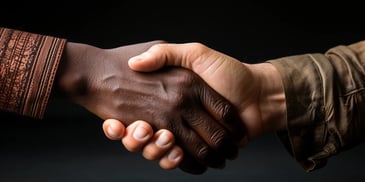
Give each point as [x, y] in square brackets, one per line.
[69, 144]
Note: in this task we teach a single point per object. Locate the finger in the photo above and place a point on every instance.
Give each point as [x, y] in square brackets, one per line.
[223, 111]
[193, 144]
[152, 59]
[138, 48]
[160, 55]
[113, 129]
[161, 143]
[172, 158]
[216, 136]
[193, 56]
[137, 135]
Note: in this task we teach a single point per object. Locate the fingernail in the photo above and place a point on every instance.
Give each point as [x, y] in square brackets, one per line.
[139, 57]
[173, 155]
[162, 140]
[112, 131]
[140, 133]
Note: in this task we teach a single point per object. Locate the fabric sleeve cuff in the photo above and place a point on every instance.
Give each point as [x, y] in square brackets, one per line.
[307, 81]
[28, 66]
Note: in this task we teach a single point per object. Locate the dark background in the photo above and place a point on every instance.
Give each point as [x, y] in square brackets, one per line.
[68, 145]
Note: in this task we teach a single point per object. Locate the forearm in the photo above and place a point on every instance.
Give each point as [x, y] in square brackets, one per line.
[28, 67]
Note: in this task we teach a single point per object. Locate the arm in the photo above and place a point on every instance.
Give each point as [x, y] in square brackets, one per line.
[325, 104]
[313, 101]
[23, 53]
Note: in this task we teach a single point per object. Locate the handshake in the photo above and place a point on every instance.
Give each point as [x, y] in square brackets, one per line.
[188, 105]
[184, 104]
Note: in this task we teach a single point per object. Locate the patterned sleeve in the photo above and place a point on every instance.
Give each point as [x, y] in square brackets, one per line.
[28, 64]
[325, 97]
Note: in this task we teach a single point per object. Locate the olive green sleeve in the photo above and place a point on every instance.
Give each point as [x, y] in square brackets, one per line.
[325, 97]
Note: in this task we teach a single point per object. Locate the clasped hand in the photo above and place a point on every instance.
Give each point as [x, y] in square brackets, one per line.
[205, 125]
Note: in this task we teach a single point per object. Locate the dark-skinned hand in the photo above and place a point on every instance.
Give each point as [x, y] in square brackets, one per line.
[205, 125]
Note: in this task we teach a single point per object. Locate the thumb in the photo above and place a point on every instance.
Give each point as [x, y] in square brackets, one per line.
[146, 62]
[160, 55]
[151, 60]
[193, 56]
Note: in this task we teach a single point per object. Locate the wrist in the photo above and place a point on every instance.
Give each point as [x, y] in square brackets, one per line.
[272, 103]
[70, 78]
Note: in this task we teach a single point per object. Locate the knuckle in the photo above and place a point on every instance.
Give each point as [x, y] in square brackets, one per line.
[225, 111]
[175, 128]
[194, 119]
[185, 80]
[202, 153]
[198, 46]
[217, 138]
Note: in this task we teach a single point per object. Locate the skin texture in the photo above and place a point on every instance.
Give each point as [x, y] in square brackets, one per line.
[205, 124]
[255, 89]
